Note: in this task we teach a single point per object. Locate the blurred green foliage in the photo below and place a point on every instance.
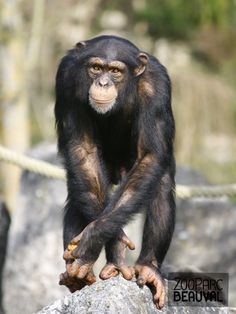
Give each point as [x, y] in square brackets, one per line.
[180, 18]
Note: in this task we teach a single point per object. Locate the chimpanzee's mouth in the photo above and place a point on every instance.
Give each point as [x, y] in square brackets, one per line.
[102, 105]
[102, 102]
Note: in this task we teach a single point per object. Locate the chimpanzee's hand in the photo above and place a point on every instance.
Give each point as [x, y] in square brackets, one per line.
[116, 260]
[79, 272]
[73, 282]
[149, 275]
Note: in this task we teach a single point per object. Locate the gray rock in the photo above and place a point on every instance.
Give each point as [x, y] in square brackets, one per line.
[204, 238]
[34, 259]
[188, 176]
[117, 296]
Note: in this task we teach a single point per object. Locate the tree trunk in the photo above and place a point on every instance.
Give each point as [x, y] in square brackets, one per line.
[14, 104]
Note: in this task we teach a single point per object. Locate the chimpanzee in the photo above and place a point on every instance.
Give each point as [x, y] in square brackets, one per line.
[115, 125]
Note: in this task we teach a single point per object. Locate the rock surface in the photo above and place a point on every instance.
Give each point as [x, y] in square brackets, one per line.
[204, 237]
[114, 296]
[34, 259]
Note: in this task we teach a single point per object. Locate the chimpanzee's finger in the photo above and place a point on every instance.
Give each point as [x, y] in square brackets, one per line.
[126, 271]
[124, 239]
[76, 240]
[108, 271]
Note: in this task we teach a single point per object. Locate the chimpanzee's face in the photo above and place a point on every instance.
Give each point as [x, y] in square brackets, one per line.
[108, 79]
[112, 64]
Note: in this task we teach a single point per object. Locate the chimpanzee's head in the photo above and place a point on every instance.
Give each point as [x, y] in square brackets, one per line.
[111, 65]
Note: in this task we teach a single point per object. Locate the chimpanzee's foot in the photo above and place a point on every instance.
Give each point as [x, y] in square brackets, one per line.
[149, 275]
[111, 270]
[116, 264]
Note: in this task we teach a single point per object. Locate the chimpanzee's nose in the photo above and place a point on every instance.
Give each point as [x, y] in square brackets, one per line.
[104, 81]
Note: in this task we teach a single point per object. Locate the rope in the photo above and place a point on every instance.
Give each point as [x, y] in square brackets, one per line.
[186, 191]
[48, 170]
[40, 167]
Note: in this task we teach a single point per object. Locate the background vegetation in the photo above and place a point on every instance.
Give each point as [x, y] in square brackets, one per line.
[194, 39]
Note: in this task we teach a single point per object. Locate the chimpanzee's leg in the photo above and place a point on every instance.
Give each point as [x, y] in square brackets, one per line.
[158, 231]
[115, 252]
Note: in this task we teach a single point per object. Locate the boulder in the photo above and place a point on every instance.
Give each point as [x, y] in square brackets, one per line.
[117, 295]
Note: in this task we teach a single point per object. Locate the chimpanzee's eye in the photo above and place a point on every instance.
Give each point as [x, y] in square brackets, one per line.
[96, 68]
[115, 70]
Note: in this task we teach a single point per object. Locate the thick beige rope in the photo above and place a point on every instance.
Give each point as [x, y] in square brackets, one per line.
[40, 167]
[46, 169]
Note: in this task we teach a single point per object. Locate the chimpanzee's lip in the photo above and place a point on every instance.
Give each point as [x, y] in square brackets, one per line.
[102, 101]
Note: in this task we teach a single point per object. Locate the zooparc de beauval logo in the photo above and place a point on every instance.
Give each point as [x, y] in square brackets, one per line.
[198, 289]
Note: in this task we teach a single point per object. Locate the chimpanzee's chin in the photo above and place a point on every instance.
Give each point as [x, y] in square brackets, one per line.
[102, 108]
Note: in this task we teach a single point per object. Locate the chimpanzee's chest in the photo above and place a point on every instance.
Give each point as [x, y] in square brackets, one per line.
[118, 143]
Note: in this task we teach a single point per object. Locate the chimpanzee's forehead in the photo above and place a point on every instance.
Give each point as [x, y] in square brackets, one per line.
[110, 42]
[114, 48]
[109, 52]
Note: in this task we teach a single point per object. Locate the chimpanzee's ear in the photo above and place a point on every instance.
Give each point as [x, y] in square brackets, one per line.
[143, 59]
[80, 45]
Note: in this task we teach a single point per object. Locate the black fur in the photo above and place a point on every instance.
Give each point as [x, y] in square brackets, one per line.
[136, 135]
